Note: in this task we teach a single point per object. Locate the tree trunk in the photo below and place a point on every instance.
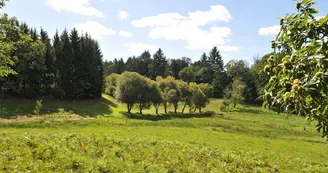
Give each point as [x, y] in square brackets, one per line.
[200, 110]
[140, 108]
[175, 108]
[165, 108]
[129, 108]
[184, 106]
[156, 107]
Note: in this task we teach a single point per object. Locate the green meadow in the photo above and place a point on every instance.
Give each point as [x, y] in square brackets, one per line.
[98, 136]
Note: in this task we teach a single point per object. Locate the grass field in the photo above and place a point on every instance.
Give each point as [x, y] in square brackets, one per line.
[97, 136]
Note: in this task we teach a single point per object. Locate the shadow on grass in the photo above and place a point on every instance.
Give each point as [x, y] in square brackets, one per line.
[84, 108]
[243, 110]
[169, 116]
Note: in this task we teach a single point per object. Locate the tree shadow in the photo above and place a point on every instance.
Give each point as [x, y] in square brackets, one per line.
[86, 108]
[243, 110]
[168, 116]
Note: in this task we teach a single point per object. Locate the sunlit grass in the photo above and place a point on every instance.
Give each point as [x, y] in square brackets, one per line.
[275, 138]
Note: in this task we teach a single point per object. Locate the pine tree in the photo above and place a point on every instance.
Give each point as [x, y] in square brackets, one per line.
[57, 48]
[66, 66]
[217, 68]
[97, 79]
[158, 65]
[76, 66]
[48, 77]
[144, 63]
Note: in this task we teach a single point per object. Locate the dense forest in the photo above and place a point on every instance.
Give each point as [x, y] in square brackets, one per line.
[67, 66]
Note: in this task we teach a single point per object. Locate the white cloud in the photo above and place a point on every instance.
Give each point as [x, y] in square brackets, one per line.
[95, 29]
[77, 6]
[125, 34]
[166, 19]
[138, 48]
[123, 14]
[272, 30]
[217, 13]
[173, 26]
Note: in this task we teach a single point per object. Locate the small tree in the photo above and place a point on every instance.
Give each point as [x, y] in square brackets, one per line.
[145, 99]
[234, 93]
[130, 89]
[207, 89]
[110, 84]
[155, 95]
[186, 94]
[225, 105]
[199, 99]
[170, 92]
[38, 107]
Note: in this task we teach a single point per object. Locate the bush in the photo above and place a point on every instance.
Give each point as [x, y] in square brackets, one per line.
[223, 108]
[210, 113]
[38, 107]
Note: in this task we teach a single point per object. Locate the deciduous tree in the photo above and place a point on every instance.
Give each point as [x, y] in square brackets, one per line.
[298, 82]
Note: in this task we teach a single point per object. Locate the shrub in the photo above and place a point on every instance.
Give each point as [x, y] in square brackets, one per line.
[38, 107]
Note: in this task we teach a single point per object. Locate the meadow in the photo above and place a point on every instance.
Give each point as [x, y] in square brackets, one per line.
[98, 136]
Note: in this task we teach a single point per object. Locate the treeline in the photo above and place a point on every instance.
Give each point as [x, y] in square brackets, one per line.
[209, 69]
[134, 89]
[32, 65]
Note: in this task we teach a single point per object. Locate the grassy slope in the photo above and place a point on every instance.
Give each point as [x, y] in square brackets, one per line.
[283, 140]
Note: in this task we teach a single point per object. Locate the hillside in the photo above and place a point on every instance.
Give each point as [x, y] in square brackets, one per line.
[98, 136]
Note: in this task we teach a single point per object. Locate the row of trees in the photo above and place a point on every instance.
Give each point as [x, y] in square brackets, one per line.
[32, 65]
[133, 89]
[209, 69]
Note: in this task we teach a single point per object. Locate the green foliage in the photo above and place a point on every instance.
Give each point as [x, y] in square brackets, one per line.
[155, 94]
[171, 92]
[225, 105]
[207, 89]
[158, 65]
[176, 65]
[2, 3]
[234, 93]
[299, 81]
[76, 153]
[186, 94]
[199, 99]
[7, 44]
[38, 107]
[188, 74]
[132, 89]
[110, 84]
[30, 66]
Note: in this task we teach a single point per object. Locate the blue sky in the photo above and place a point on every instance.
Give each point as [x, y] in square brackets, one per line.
[240, 28]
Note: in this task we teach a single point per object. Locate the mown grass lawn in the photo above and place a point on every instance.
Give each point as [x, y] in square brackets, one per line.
[245, 139]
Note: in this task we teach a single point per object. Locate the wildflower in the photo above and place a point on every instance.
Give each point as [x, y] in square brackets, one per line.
[85, 148]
